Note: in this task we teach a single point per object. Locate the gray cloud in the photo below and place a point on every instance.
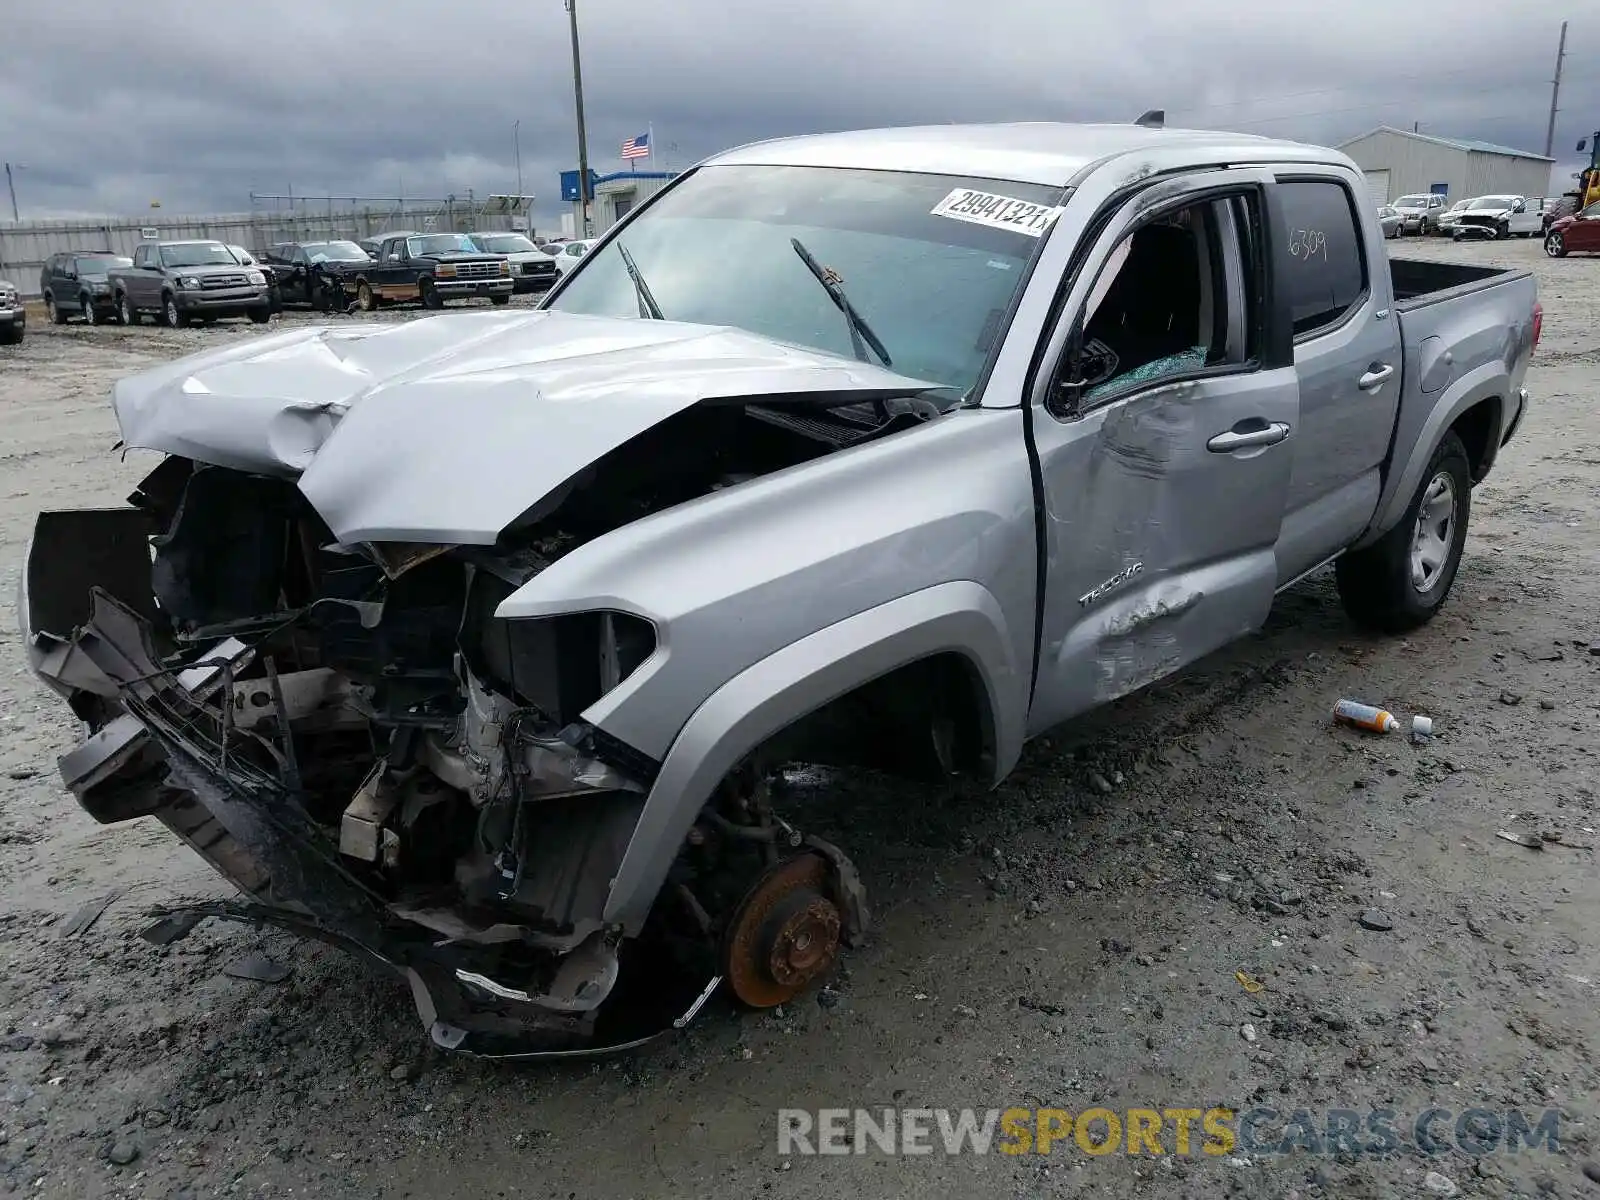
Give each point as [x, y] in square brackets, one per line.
[110, 107]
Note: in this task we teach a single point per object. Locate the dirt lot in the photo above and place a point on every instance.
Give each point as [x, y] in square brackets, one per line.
[1070, 940]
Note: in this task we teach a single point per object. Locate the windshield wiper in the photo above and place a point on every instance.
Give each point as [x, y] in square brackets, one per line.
[647, 303]
[859, 329]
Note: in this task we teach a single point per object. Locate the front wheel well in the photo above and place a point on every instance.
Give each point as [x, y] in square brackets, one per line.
[928, 719]
[1476, 428]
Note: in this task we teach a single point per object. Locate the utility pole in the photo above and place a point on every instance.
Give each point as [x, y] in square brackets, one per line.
[1555, 93]
[587, 227]
[516, 141]
[11, 187]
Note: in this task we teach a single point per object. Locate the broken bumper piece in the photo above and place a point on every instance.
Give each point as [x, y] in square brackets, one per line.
[451, 1020]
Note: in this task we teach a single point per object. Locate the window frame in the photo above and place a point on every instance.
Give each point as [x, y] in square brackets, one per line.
[1280, 233]
[1243, 281]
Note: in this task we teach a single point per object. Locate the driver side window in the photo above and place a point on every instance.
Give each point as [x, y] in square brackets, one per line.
[1179, 295]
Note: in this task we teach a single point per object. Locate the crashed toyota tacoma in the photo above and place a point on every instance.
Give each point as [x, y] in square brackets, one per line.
[477, 644]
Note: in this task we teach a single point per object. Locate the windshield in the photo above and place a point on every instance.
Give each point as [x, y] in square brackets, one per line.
[198, 254]
[100, 264]
[930, 262]
[503, 243]
[440, 243]
[334, 252]
[1493, 202]
[1412, 202]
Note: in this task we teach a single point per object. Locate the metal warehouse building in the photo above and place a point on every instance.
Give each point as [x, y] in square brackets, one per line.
[611, 197]
[1399, 163]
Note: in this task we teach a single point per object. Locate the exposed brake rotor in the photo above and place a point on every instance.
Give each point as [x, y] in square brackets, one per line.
[785, 933]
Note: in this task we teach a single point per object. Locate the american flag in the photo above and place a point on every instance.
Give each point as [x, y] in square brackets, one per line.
[637, 147]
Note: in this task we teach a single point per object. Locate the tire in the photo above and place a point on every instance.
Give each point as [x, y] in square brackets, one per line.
[53, 310]
[126, 313]
[172, 317]
[260, 316]
[365, 300]
[91, 316]
[1400, 581]
[499, 301]
[1555, 245]
[1502, 231]
[11, 335]
[429, 294]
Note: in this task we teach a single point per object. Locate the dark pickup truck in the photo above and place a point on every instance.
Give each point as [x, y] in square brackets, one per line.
[180, 282]
[317, 273]
[432, 268]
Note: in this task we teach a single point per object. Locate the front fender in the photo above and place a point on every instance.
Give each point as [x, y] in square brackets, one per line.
[962, 616]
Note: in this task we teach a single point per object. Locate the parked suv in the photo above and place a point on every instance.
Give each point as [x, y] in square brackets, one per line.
[532, 270]
[76, 283]
[179, 282]
[1420, 212]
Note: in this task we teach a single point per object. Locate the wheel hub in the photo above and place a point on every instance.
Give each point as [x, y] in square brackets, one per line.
[1434, 533]
[785, 934]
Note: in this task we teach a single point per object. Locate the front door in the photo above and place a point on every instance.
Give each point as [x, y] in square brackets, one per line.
[1165, 461]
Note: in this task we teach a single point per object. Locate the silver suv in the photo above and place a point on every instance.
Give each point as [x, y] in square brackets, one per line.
[1420, 213]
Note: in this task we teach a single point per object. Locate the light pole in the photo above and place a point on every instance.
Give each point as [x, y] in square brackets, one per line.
[11, 186]
[516, 142]
[583, 137]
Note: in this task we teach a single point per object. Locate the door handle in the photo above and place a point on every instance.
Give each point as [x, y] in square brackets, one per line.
[1230, 440]
[1375, 378]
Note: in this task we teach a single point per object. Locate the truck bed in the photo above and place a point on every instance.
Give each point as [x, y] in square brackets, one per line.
[1420, 281]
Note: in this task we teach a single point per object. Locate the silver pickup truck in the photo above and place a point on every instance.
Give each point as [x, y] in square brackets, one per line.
[481, 644]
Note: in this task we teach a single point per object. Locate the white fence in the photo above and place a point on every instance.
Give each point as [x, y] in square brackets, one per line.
[26, 245]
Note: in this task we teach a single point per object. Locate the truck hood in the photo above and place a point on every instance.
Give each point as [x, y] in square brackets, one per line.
[448, 428]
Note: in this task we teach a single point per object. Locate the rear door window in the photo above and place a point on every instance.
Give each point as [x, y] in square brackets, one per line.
[1321, 262]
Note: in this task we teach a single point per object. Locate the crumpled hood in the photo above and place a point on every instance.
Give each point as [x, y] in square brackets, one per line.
[448, 428]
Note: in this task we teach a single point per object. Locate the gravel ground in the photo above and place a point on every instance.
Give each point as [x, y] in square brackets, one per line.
[1069, 940]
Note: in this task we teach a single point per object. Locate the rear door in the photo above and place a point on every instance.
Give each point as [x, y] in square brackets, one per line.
[1164, 444]
[1332, 271]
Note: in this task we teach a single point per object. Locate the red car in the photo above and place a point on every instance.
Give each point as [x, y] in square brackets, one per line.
[1578, 233]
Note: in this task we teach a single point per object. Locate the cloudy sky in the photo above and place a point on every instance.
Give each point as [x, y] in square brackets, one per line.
[107, 107]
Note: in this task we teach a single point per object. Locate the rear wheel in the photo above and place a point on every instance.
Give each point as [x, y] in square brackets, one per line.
[365, 300]
[1555, 245]
[1403, 578]
[126, 313]
[53, 310]
[91, 315]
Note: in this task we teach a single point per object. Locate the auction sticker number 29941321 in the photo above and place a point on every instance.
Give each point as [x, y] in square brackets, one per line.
[999, 212]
